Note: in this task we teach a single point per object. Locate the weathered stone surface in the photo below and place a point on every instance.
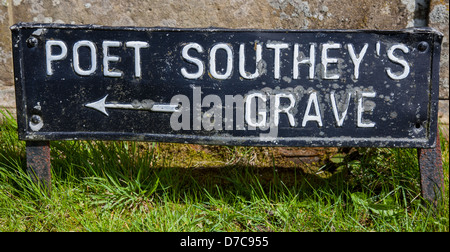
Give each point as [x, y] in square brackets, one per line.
[438, 19]
[286, 14]
[7, 97]
[443, 111]
[6, 73]
[7, 100]
[335, 14]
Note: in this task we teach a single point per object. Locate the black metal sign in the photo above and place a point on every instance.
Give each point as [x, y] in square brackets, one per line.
[232, 87]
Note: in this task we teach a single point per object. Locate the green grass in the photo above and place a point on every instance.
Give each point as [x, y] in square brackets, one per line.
[135, 186]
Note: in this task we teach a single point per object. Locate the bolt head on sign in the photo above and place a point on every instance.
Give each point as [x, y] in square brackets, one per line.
[228, 87]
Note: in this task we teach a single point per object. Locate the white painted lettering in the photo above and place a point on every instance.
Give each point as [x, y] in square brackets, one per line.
[277, 56]
[317, 117]
[190, 59]
[137, 45]
[400, 61]
[76, 57]
[339, 120]
[52, 57]
[107, 58]
[212, 61]
[361, 110]
[242, 71]
[326, 60]
[357, 59]
[311, 61]
[378, 48]
[248, 109]
[277, 110]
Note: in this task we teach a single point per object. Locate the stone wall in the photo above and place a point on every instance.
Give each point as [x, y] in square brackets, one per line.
[438, 19]
[267, 14]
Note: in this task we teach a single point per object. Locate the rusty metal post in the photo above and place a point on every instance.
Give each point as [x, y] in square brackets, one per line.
[38, 162]
[431, 173]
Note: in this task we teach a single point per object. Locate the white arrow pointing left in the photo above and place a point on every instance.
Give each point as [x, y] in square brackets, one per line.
[101, 106]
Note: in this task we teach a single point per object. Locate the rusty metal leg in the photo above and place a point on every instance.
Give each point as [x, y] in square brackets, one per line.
[38, 162]
[431, 173]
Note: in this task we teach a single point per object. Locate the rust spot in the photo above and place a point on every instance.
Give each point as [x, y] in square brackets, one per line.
[38, 162]
[431, 173]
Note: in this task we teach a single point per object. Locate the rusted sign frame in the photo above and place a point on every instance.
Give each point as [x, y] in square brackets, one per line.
[431, 173]
[430, 162]
[38, 163]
